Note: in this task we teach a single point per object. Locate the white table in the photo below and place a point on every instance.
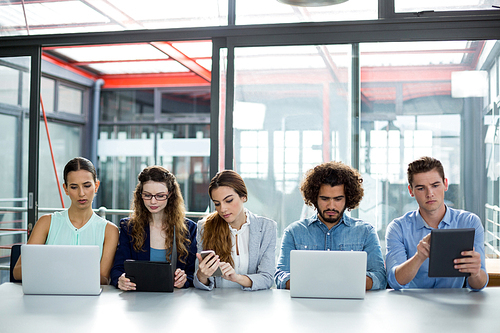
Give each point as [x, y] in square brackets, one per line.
[226, 310]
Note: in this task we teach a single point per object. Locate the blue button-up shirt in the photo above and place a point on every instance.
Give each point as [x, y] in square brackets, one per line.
[349, 234]
[403, 235]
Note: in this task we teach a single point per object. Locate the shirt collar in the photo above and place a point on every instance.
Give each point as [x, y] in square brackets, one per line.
[422, 224]
[244, 226]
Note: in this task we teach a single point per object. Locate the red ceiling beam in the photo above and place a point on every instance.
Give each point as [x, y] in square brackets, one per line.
[187, 62]
[153, 80]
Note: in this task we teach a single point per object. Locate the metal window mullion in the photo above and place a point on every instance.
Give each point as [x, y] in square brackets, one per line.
[386, 9]
[228, 123]
[217, 44]
[34, 140]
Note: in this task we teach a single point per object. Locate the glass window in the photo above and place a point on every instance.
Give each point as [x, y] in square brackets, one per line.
[66, 144]
[178, 103]
[9, 85]
[124, 151]
[56, 17]
[14, 124]
[407, 111]
[48, 89]
[127, 105]
[443, 5]
[273, 11]
[292, 111]
[70, 100]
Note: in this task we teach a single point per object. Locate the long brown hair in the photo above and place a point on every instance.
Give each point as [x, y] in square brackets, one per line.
[174, 212]
[216, 235]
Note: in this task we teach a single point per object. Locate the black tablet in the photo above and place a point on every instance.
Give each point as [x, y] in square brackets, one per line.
[150, 275]
[447, 245]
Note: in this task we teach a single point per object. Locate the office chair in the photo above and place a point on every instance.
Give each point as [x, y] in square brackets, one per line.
[15, 252]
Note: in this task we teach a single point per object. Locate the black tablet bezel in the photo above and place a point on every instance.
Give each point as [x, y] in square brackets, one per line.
[447, 245]
[155, 276]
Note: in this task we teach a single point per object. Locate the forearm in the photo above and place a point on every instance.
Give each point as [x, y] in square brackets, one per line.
[105, 280]
[17, 272]
[243, 280]
[478, 281]
[407, 271]
[369, 283]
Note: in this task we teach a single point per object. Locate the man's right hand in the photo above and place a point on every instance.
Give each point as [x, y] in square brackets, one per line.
[409, 269]
[424, 248]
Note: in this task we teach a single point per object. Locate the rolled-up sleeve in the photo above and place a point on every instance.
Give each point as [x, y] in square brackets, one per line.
[282, 274]
[396, 253]
[478, 247]
[375, 262]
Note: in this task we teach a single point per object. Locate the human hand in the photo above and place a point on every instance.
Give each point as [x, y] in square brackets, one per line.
[125, 284]
[228, 272]
[180, 278]
[424, 247]
[207, 266]
[471, 263]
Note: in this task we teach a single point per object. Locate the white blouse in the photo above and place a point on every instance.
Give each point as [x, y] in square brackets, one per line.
[241, 256]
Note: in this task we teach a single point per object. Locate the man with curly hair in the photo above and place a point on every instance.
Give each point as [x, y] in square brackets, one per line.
[332, 188]
[408, 237]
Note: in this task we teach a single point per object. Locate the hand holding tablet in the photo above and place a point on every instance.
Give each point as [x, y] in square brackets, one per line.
[446, 246]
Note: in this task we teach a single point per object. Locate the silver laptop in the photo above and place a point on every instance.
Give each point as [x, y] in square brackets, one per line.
[327, 274]
[61, 269]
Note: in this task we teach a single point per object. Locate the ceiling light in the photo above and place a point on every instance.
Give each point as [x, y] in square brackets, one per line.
[311, 3]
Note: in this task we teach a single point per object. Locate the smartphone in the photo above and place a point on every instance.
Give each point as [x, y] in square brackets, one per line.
[217, 272]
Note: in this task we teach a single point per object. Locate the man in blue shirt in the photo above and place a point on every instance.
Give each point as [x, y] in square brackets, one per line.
[332, 188]
[408, 237]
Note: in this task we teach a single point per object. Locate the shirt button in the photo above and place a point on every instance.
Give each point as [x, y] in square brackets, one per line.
[328, 234]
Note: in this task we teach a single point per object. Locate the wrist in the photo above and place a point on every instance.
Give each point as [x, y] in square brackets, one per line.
[419, 258]
[202, 277]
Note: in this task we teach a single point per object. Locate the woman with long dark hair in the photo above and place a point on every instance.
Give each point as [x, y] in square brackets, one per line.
[243, 243]
[148, 234]
[77, 225]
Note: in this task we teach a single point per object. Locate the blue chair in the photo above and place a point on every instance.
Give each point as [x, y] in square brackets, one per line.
[15, 252]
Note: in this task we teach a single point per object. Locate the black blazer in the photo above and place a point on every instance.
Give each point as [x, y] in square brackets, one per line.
[126, 251]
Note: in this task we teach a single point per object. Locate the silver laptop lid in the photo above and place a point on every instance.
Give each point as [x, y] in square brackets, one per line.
[327, 274]
[61, 269]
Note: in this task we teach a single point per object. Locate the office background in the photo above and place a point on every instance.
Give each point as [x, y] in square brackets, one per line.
[264, 88]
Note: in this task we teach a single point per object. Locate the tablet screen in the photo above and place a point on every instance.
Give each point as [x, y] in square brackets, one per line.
[150, 275]
[447, 245]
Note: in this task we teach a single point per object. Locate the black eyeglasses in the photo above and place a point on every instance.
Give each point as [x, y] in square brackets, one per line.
[159, 196]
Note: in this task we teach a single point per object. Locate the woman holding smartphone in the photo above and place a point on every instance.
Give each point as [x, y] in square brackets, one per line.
[243, 244]
[77, 225]
[158, 212]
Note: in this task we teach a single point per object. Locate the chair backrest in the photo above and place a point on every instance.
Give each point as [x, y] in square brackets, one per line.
[15, 252]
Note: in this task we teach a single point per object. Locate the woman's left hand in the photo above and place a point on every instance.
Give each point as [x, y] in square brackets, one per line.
[180, 278]
[228, 272]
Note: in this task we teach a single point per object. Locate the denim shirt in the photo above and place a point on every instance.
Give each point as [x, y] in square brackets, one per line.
[349, 234]
[403, 235]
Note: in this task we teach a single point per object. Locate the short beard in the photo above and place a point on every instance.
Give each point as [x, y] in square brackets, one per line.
[331, 219]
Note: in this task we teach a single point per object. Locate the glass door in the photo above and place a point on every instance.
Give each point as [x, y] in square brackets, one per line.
[14, 120]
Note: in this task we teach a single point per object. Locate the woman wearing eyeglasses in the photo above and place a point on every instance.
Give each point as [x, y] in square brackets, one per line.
[148, 233]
